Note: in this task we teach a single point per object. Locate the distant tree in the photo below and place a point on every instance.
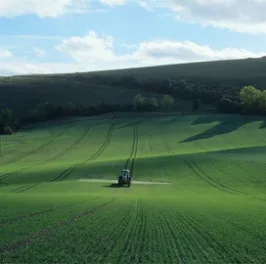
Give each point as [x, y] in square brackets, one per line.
[253, 99]
[196, 104]
[6, 117]
[151, 104]
[138, 102]
[250, 94]
[167, 101]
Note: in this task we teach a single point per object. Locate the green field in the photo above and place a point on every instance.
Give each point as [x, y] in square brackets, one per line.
[212, 212]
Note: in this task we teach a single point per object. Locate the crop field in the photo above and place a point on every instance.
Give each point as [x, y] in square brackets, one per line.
[60, 202]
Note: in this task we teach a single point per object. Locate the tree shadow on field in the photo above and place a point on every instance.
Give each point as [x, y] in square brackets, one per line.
[207, 119]
[263, 124]
[226, 125]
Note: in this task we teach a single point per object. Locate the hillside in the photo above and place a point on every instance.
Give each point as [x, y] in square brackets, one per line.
[211, 80]
[230, 72]
[60, 202]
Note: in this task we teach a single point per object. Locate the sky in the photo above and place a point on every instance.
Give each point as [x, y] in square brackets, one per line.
[57, 36]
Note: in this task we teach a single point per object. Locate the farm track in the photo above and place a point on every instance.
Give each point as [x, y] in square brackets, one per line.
[73, 145]
[134, 149]
[48, 231]
[68, 171]
[215, 181]
[37, 149]
[208, 179]
[6, 176]
[78, 141]
[26, 188]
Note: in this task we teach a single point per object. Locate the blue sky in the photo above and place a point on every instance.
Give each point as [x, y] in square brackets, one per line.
[46, 36]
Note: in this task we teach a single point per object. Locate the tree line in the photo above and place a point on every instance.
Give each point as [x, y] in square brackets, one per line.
[47, 111]
[223, 96]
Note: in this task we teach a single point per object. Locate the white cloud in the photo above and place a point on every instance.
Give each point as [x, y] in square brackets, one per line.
[38, 52]
[112, 2]
[89, 47]
[5, 54]
[99, 49]
[96, 52]
[47, 8]
[237, 15]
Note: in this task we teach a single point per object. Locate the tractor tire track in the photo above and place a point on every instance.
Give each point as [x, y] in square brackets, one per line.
[132, 148]
[73, 145]
[215, 181]
[20, 187]
[68, 171]
[131, 159]
[6, 176]
[27, 188]
[211, 183]
[50, 230]
[103, 147]
[136, 149]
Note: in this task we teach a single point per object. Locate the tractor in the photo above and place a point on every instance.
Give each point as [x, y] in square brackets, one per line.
[124, 178]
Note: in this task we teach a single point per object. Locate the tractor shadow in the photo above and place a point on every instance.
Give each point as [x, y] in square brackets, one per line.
[113, 185]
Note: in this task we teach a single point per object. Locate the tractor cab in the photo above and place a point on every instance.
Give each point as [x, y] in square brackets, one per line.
[124, 177]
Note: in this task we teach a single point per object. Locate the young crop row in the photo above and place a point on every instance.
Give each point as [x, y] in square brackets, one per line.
[87, 233]
[131, 230]
[50, 223]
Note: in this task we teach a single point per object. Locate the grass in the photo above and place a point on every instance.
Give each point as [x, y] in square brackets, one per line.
[213, 212]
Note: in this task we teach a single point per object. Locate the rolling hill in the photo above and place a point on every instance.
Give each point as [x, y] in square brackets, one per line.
[23, 93]
[59, 205]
